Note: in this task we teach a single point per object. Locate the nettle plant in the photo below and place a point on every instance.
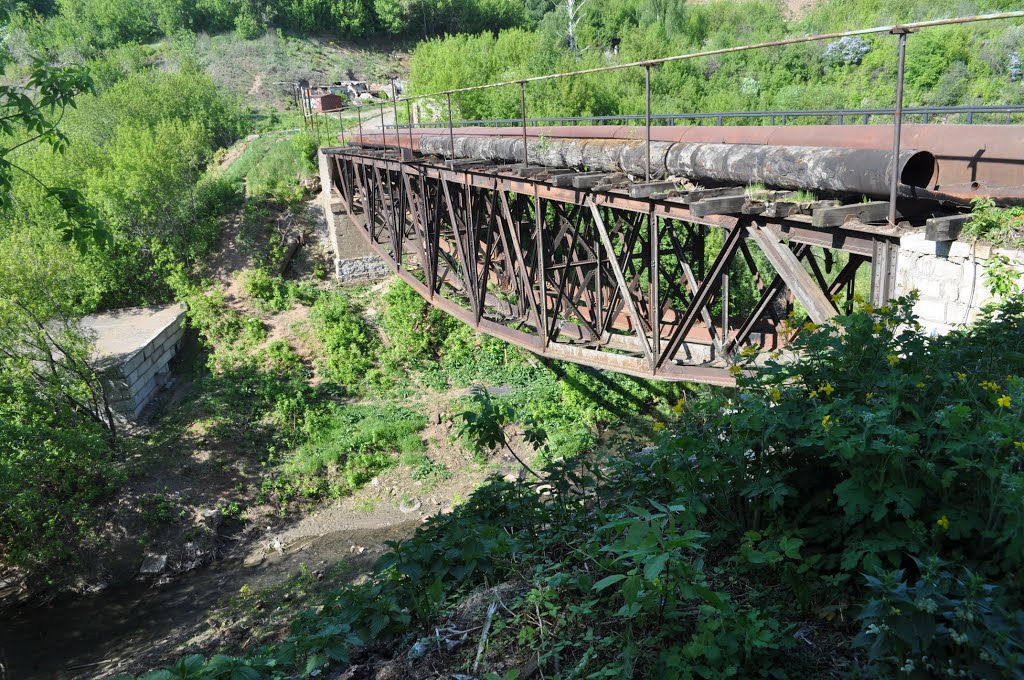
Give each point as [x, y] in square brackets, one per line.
[949, 622]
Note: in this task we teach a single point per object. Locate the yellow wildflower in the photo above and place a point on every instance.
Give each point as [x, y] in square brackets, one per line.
[810, 326]
[884, 309]
[869, 309]
[827, 389]
[893, 359]
[776, 395]
[943, 522]
[826, 422]
[858, 298]
[877, 328]
[1019, 445]
[678, 408]
[735, 370]
[659, 426]
[812, 394]
[961, 376]
[919, 386]
[869, 396]
[1004, 401]
[989, 385]
[897, 611]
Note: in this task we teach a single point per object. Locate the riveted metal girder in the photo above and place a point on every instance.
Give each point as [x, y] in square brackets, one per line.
[633, 285]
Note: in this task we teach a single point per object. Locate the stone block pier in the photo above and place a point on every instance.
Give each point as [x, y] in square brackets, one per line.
[133, 348]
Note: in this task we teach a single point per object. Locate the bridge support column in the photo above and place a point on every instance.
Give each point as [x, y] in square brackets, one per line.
[949, 277]
[354, 259]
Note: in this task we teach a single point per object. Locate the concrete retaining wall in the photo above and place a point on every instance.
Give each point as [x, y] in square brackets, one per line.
[134, 348]
[949, 277]
[354, 260]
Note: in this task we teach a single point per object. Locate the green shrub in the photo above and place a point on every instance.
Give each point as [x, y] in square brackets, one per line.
[417, 330]
[1002, 226]
[873, 437]
[350, 345]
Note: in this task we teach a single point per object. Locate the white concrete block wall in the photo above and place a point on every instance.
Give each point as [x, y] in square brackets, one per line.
[949, 278]
[142, 373]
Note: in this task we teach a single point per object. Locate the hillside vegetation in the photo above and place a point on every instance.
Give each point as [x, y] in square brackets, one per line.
[970, 64]
[855, 513]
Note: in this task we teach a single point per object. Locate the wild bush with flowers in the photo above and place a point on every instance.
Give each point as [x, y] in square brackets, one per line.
[879, 449]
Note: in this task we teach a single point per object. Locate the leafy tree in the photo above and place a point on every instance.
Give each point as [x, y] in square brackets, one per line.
[45, 287]
[145, 187]
[26, 120]
[353, 18]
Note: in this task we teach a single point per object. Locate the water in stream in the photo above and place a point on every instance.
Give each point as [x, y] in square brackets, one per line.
[91, 636]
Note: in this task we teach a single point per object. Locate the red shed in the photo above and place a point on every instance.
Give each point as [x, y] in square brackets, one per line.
[324, 101]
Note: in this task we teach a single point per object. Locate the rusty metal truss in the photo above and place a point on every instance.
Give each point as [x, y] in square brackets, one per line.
[595, 276]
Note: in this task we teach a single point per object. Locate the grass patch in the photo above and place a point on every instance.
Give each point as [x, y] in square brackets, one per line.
[425, 470]
[357, 441]
[275, 165]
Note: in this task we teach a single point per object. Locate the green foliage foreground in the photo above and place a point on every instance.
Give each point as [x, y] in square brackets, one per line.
[865, 499]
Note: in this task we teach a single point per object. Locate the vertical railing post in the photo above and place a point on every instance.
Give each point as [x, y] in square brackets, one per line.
[408, 112]
[451, 131]
[383, 132]
[522, 100]
[655, 267]
[359, 121]
[647, 117]
[897, 123]
[394, 106]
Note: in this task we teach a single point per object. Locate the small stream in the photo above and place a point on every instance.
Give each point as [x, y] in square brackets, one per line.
[91, 635]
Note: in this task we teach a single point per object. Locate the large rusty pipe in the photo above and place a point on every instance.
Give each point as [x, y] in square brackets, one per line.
[837, 170]
[972, 160]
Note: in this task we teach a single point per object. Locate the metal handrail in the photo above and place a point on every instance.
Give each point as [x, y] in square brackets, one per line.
[775, 117]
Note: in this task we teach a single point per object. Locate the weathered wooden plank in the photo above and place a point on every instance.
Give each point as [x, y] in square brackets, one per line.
[945, 228]
[465, 165]
[872, 211]
[589, 181]
[782, 209]
[701, 194]
[567, 179]
[722, 205]
[531, 171]
[651, 188]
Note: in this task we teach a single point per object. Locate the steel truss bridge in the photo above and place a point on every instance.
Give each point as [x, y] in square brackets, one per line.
[596, 276]
[587, 245]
